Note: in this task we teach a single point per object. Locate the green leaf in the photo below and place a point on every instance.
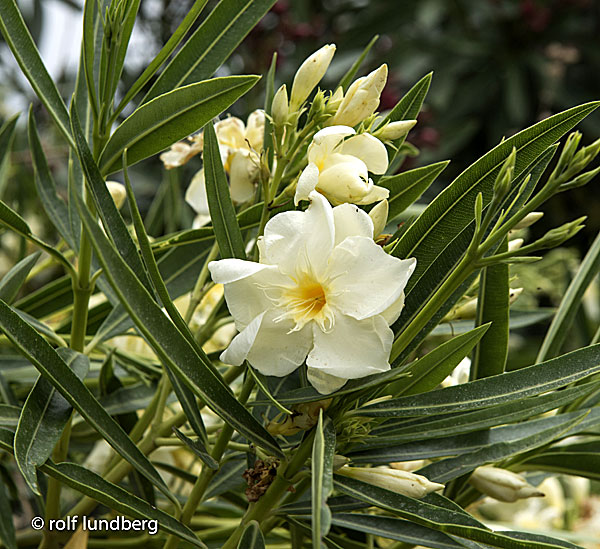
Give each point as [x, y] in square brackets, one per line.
[430, 516]
[407, 187]
[441, 234]
[210, 45]
[13, 280]
[252, 537]
[126, 30]
[19, 40]
[228, 477]
[454, 467]
[7, 528]
[9, 415]
[220, 206]
[409, 106]
[570, 303]
[582, 460]
[173, 349]
[396, 529]
[7, 133]
[269, 93]
[349, 75]
[429, 371]
[163, 54]
[53, 368]
[54, 206]
[322, 478]
[168, 118]
[507, 387]
[493, 306]
[43, 418]
[199, 449]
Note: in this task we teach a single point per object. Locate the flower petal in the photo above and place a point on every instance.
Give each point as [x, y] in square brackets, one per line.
[324, 383]
[195, 195]
[365, 281]
[300, 241]
[243, 172]
[269, 346]
[326, 140]
[392, 313]
[306, 183]
[353, 348]
[375, 194]
[369, 149]
[351, 221]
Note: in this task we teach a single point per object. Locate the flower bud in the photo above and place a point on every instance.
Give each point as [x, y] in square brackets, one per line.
[335, 100]
[362, 98]
[505, 176]
[502, 485]
[379, 215]
[515, 244]
[339, 461]
[395, 480]
[309, 75]
[514, 294]
[528, 220]
[279, 107]
[395, 130]
[117, 192]
[555, 237]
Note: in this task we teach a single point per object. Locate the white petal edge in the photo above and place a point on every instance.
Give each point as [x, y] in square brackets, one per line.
[349, 220]
[307, 182]
[370, 150]
[195, 195]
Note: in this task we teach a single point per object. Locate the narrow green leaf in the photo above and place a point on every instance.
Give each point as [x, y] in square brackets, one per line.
[252, 537]
[220, 206]
[7, 133]
[409, 106]
[11, 282]
[349, 75]
[7, 528]
[407, 187]
[199, 449]
[269, 93]
[228, 477]
[258, 378]
[493, 305]
[91, 23]
[53, 368]
[19, 40]
[322, 478]
[507, 387]
[210, 45]
[580, 464]
[168, 118]
[43, 418]
[570, 303]
[9, 415]
[454, 467]
[170, 345]
[55, 207]
[126, 30]
[163, 54]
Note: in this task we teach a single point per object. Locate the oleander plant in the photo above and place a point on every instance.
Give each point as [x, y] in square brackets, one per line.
[318, 358]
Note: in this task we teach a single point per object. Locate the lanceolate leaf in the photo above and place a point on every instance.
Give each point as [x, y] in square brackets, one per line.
[222, 212]
[170, 117]
[252, 537]
[210, 45]
[53, 368]
[410, 105]
[7, 132]
[21, 44]
[170, 345]
[11, 282]
[349, 75]
[198, 448]
[507, 387]
[322, 478]
[9, 415]
[43, 419]
[7, 528]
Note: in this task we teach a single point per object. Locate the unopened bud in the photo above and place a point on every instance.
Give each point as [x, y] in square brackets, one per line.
[528, 220]
[395, 480]
[555, 237]
[279, 108]
[379, 215]
[335, 100]
[502, 485]
[117, 192]
[339, 461]
[514, 294]
[362, 98]
[465, 311]
[395, 130]
[505, 176]
[515, 244]
[309, 75]
[580, 180]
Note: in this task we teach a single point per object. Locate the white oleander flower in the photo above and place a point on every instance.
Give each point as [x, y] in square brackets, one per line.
[323, 292]
[240, 147]
[339, 168]
[362, 98]
[502, 485]
[395, 480]
[309, 75]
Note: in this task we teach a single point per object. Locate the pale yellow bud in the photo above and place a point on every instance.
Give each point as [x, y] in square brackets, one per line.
[502, 485]
[514, 294]
[379, 215]
[395, 130]
[528, 220]
[309, 75]
[117, 192]
[279, 107]
[514, 245]
[361, 99]
[395, 480]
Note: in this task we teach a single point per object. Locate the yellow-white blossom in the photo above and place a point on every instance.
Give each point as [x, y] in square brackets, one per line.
[239, 146]
[117, 192]
[182, 152]
[362, 98]
[395, 480]
[502, 485]
[339, 168]
[309, 75]
[322, 291]
[395, 130]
